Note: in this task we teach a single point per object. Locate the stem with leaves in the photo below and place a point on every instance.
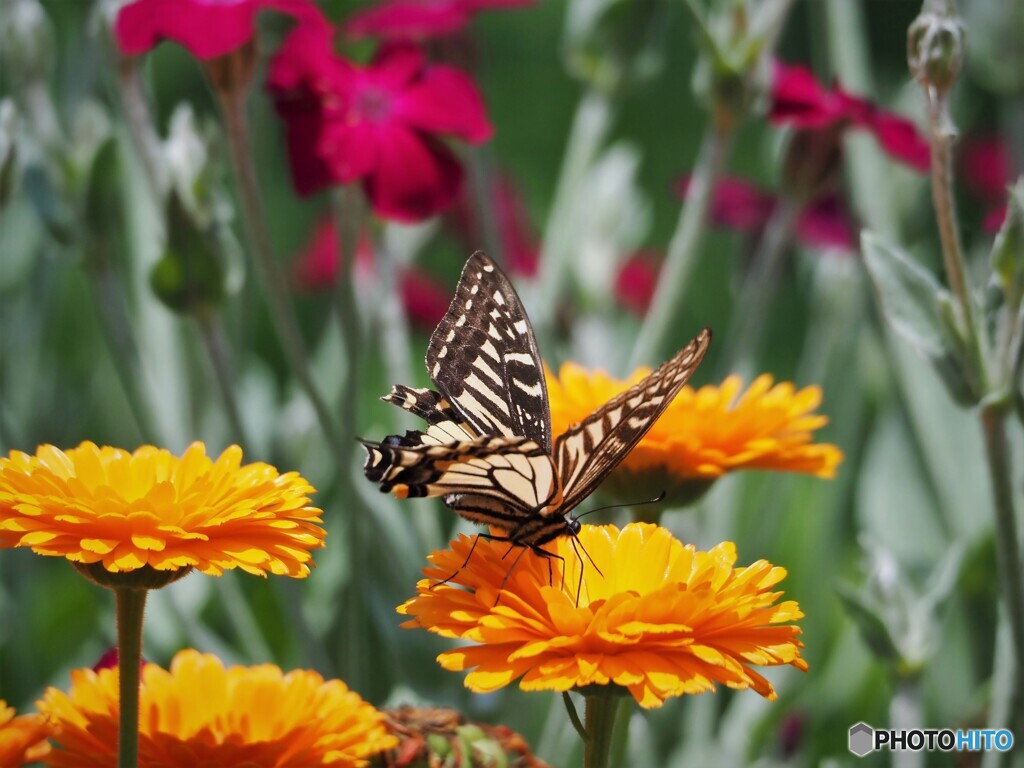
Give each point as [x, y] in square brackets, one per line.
[232, 105]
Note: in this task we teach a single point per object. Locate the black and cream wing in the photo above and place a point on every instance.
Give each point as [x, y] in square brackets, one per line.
[483, 358]
[493, 480]
[586, 452]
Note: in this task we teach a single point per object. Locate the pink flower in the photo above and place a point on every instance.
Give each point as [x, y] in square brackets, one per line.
[636, 281]
[410, 19]
[316, 268]
[800, 100]
[206, 28]
[987, 169]
[518, 240]
[377, 124]
[739, 205]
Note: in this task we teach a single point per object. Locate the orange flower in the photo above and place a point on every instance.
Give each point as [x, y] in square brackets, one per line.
[129, 511]
[664, 619]
[200, 713]
[22, 739]
[705, 433]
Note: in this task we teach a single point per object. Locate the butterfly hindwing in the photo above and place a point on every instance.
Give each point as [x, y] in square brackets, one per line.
[587, 452]
[496, 480]
[483, 358]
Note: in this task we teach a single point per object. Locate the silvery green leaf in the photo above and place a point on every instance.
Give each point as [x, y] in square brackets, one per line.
[921, 311]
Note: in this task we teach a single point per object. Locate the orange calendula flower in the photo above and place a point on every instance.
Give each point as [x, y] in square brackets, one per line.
[22, 739]
[664, 620]
[200, 713]
[151, 511]
[707, 432]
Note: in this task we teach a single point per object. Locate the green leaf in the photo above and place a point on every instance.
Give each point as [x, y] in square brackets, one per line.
[103, 216]
[921, 311]
[873, 627]
[1008, 249]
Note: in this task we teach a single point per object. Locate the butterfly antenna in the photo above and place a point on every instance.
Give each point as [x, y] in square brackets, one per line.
[655, 500]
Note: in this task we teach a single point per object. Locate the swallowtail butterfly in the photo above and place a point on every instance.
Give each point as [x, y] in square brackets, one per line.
[487, 449]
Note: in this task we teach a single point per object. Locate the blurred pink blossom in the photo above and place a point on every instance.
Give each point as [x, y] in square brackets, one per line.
[798, 99]
[741, 206]
[519, 242]
[379, 124]
[206, 28]
[414, 19]
[987, 168]
[315, 268]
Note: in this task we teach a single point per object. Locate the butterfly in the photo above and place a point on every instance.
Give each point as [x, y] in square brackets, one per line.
[487, 449]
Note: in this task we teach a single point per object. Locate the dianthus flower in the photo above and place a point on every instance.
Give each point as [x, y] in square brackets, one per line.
[798, 99]
[206, 28]
[379, 124]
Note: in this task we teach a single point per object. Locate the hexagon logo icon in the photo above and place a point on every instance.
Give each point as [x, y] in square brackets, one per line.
[862, 739]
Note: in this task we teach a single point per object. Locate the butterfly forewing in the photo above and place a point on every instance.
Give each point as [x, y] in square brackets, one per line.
[484, 359]
[587, 452]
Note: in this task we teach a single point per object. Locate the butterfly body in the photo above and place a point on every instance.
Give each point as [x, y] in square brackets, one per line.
[487, 450]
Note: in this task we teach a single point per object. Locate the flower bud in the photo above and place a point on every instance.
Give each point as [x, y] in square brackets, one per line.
[26, 40]
[935, 45]
[190, 276]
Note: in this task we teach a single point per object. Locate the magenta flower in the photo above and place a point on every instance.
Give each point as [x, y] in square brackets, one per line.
[738, 205]
[987, 169]
[206, 28]
[315, 268]
[799, 99]
[519, 242]
[636, 281]
[377, 124]
[416, 19]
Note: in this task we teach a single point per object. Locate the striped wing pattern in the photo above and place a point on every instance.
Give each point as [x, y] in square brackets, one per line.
[486, 450]
[483, 357]
[492, 480]
[588, 451]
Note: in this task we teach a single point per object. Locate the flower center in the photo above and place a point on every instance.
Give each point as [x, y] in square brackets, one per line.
[373, 104]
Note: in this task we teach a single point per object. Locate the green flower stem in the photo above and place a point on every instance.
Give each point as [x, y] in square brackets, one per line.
[681, 257]
[943, 134]
[997, 451]
[131, 604]
[760, 285]
[212, 331]
[600, 716]
[349, 212]
[905, 714]
[589, 130]
[232, 106]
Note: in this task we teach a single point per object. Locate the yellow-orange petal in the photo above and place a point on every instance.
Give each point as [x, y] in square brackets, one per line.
[199, 713]
[707, 432]
[148, 509]
[22, 739]
[661, 619]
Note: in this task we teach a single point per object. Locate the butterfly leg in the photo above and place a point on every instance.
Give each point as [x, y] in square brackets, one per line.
[465, 562]
[472, 548]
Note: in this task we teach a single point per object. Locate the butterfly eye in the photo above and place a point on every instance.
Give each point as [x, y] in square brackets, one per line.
[573, 525]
